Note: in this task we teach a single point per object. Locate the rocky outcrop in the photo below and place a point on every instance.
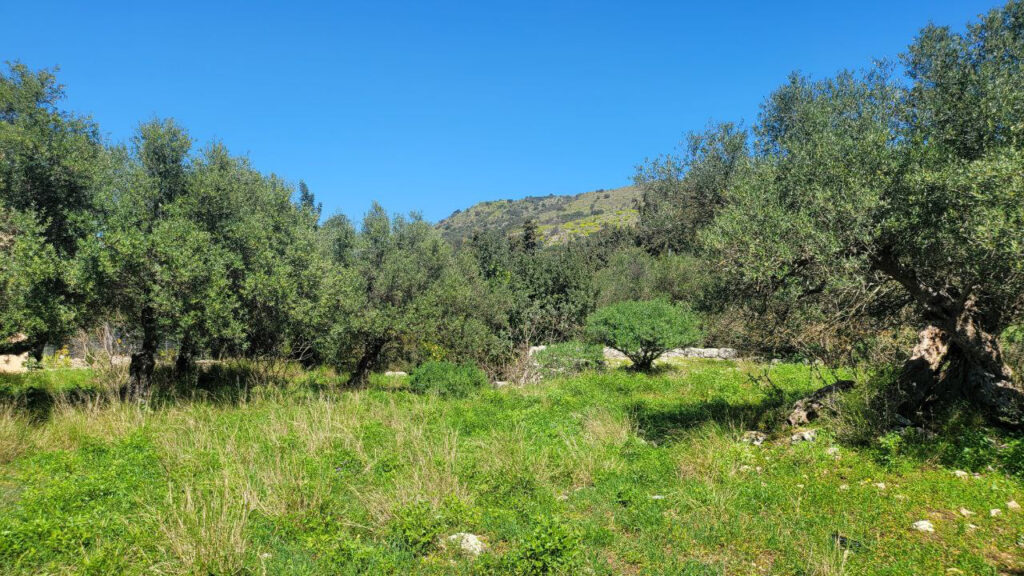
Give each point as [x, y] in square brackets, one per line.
[823, 401]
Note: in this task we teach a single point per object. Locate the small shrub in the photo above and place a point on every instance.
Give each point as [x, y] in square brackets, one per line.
[417, 527]
[552, 548]
[447, 379]
[569, 358]
[643, 330]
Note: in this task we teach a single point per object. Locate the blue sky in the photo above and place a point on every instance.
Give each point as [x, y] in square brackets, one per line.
[433, 106]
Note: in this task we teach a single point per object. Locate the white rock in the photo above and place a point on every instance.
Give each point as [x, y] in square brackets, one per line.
[805, 436]
[468, 543]
[923, 526]
[1012, 505]
[844, 486]
[395, 373]
[754, 437]
[880, 485]
[832, 450]
[961, 474]
[972, 527]
[657, 497]
[965, 512]
[995, 512]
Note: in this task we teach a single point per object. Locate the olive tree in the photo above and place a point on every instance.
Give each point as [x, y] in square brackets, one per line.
[867, 195]
[49, 159]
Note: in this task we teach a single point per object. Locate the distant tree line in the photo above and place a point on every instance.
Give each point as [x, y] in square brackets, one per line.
[856, 212]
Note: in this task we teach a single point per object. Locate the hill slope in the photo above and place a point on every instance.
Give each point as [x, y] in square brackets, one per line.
[558, 218]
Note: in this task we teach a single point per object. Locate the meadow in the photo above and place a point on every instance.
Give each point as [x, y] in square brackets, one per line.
[609, 472]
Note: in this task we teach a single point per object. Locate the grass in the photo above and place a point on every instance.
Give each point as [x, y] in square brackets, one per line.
[603, 473]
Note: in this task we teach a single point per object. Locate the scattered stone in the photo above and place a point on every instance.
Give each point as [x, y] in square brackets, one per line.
[754, 437]
[923, 526]
[746, 468]
[844, 486]
[657, 497]
[469, 543]
[902, 421]
[965, 512]
[500, 384]
[820, 402]
[961, 474]
[1012, 505]
[880, 485]
[972, 527]
[846, 543]
[395, 373]
[832, 450]
[805, 436]
[995, 512]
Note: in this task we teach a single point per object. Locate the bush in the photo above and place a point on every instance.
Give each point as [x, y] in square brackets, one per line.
[569, 358]
[447, 379]
[643, 330]
[552, 548]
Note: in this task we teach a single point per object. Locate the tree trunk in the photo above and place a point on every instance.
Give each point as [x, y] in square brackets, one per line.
[367, 362]
[185, 360]
[957, 365]
[140, 371]
[957, 357]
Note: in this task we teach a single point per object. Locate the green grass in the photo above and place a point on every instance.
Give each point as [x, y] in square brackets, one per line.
[604, 473]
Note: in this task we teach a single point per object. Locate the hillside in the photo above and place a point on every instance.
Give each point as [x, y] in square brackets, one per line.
[558, 218]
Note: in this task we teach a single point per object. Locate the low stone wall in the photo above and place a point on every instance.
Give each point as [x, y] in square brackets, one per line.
[713, 353]
[13, 363]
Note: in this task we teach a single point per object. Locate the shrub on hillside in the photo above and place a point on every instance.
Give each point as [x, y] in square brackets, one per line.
[568, 358]
[643, 330]
[447, 379]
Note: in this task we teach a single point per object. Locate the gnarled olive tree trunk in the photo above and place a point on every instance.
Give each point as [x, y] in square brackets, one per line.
[957, 357]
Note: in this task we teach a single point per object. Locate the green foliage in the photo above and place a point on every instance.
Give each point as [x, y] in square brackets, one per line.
[447, 379]
[49, 162]
[643, 330]
[681, 194]
[552, 548]
[866, 191]
[568, 358]
[417, 527]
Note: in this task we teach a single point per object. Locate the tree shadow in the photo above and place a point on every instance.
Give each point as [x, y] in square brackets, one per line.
[38, 402]
[661, 424]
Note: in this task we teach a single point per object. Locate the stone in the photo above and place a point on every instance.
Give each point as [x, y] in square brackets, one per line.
[965, 512]
[657, 497]
[832, 450]
[923, 526]
[804, 436]
[1012, 505]
[844, 486]
[880, 485]
[395, 373]
[961, 474]
[995, 512]
[754, 437]
[469, 544]
[822, 401]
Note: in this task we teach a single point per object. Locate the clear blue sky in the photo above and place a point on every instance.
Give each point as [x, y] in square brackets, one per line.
[433, 106]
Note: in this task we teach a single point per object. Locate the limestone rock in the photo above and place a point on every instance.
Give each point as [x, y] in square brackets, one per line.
[822, 401]
[923, 526]
[469, 544]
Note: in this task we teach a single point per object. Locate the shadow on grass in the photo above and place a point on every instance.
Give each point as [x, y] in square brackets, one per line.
[660, 423]
[36, 394]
